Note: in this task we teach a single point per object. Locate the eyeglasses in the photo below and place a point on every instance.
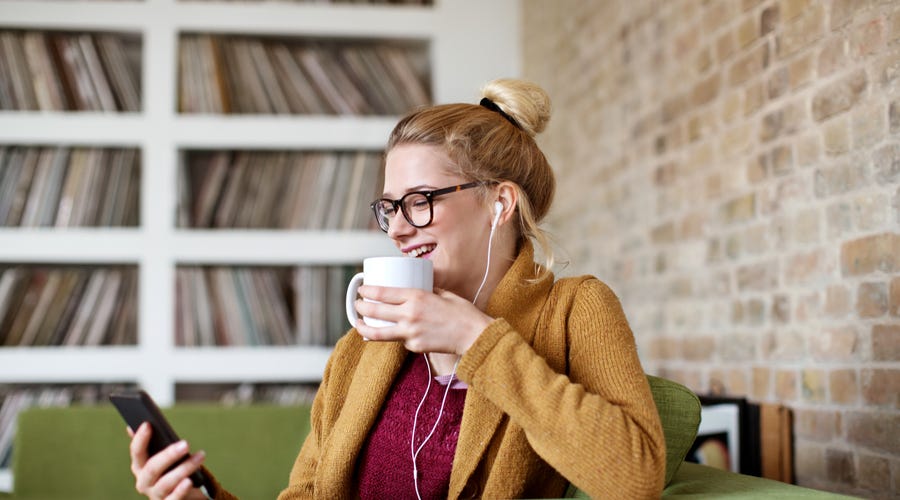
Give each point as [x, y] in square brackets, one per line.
[417, 206]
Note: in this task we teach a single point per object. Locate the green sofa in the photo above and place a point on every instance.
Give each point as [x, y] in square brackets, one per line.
[82, 452]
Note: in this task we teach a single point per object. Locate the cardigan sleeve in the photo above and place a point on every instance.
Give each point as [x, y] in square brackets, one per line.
[598, 425]
[302, 478]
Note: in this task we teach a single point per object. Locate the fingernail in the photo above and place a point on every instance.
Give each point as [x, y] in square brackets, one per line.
[199, 456]
[181, 445]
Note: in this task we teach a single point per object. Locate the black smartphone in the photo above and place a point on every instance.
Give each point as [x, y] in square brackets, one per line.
[137, 407]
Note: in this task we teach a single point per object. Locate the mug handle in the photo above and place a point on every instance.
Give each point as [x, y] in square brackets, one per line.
[352, 288]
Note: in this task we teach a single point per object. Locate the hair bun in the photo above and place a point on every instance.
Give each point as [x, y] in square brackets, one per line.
[527, 103]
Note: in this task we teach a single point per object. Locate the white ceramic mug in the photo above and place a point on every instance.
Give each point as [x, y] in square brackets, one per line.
[400, 272]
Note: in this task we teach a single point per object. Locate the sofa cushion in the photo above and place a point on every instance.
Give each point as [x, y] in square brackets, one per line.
[679, 411]
[82, 452]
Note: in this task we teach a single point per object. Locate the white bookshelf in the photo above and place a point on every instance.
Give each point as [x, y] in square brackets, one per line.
[469, 42]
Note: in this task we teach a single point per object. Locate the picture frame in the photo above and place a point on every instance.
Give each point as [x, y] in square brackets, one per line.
[728, 436]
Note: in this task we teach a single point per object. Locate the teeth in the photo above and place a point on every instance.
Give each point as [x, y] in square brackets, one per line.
[415, 252]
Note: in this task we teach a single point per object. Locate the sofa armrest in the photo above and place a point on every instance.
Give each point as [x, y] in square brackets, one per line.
[693, 480]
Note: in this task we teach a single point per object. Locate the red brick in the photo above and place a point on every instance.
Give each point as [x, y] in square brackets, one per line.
[868, 38]
[790, 9]
[809, 306]
[887, 164]
[747, 32]
[809, 460]
[839, 96]
[725, 44]
[874, 472]
[698, 348]
[738, 210]
[839, 219]
[840, 467]
[806, 268]
[886, 342]
[814, 385]
[664, 233]
[894, 299]
[754, 97]
[886, 70]
[783, 345]
[841, 178]
[817, 425]
[837, 301]
[834, 55]
[706, 90]
[871, 212]
[894, 116]
[843, 386]
[762, 276]
[750, 64]
[737, 382]
[768, 20]
[785, 385]
[878, 253]
[881, 387]
[802, 31]
[872, 300]
[735, 347]
[835, 343]
[836, 136]
[869, 126]
[762, 383]
[781, 309]
[771, 126]
[801, 70]
[894, 24]
[843, 11]
[715, 15]
[873, 429]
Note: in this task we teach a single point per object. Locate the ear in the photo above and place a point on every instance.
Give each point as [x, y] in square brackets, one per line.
[506, 195]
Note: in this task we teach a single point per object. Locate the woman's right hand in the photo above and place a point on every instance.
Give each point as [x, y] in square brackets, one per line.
[151, 478]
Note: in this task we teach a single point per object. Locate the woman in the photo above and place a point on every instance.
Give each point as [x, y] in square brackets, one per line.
[537, 383]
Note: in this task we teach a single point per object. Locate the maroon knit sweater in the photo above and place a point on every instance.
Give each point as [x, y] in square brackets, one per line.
[385, 464]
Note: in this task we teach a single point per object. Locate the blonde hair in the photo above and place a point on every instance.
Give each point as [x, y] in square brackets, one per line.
[486, 146]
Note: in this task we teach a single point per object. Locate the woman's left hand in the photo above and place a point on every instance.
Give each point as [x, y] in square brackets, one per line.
[425, 322]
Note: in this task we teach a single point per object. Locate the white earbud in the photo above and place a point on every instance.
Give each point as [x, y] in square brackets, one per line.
[498, 209]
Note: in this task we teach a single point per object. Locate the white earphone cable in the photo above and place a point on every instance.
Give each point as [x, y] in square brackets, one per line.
[412, 446]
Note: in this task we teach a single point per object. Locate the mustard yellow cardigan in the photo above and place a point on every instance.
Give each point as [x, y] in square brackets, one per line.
[527, 430]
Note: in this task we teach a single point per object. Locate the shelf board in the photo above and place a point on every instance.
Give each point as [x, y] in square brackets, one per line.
[131, 246]
[67, 365]
[278, 18]
[283, 131]
[262, 247]
[207, 131]
[72, 365]
[72, 128]
[82, 245]
[256, 364]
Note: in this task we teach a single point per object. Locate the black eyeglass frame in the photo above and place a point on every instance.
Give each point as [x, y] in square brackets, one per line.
[429, 195]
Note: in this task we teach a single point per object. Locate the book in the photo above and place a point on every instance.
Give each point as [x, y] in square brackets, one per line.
[13, 51]
[45, 80]
[28, 161]
[98, 80]
[86, 308]
[124, 74]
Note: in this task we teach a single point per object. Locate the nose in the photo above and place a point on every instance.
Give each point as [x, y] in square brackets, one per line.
[400, 227]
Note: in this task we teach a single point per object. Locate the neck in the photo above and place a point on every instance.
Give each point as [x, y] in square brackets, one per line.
[442, 363]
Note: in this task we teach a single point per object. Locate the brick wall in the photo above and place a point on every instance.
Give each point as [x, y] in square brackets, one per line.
[732, 169]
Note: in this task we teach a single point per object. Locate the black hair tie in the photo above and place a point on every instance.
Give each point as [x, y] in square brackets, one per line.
[489, 104]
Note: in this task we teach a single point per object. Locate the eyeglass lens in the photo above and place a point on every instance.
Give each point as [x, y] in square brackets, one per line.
[416, 208]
